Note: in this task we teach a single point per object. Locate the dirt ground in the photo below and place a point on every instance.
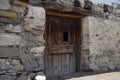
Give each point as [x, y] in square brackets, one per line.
[88, 76]
[104, 76]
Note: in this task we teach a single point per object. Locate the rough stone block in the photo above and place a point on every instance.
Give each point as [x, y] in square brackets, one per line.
[17, 66]
[115, 5]
[29, 62]
[38, 50]
[11, 72]
[18, 9]
[41, 39]
[4, 4]
[35, 23]
[25, 76]
[117, 11]
[33, 31]
[82, 3]
[4, 64]
[97, 8]
[9, 39]
[35, 20]
[2, 28]
[103, 44]
[14, 29]
[108, 8]
[19, 3]
[88, 5]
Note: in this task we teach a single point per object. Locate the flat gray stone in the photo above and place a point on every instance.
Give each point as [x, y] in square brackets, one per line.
[11, 72]
[7, 77]
[8, 52]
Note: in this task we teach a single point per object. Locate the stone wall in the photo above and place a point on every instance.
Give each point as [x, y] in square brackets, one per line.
[21, 40]
[102, 44]
[22, 43]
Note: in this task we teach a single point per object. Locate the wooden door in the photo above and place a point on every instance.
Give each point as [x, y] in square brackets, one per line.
[61, 48]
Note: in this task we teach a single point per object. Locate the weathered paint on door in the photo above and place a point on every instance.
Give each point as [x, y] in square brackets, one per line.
[61, 48]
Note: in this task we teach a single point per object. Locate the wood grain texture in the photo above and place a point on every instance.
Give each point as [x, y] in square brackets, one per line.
[61, 49]
[61, 56]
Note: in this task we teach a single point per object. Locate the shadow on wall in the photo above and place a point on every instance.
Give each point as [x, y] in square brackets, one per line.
[26, 1]
[79, 75]
[77, 3]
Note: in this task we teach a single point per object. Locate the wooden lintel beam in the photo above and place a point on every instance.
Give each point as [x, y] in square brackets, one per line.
[63, 7]
[60, 14]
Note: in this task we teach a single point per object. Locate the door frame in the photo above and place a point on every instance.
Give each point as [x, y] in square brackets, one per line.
[79, 35]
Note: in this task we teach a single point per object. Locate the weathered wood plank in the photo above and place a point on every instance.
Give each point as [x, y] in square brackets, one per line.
[71, 69]
[8, 14]
[66, 63]
[62, 63]
[61, 49]
[57, 63]
[54, 13]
